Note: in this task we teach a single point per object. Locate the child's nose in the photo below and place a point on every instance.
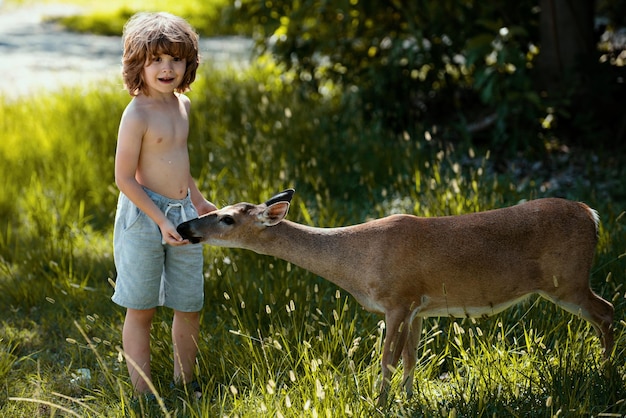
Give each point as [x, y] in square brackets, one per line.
[167, 65]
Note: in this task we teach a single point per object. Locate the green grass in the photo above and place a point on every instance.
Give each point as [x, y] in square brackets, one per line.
[275, 340]
[209, 18]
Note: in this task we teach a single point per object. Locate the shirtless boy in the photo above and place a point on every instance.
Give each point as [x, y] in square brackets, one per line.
[155, 266]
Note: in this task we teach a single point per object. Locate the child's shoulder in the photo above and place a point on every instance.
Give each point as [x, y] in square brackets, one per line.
[136, 108]
[183, 98]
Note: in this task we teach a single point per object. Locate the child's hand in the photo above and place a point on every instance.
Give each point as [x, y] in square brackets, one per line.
[205, 207]
[171, 236]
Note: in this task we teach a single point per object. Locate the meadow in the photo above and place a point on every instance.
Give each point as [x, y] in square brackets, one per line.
[275, 339]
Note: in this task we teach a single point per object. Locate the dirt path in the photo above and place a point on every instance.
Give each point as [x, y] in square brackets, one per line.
[38, 56]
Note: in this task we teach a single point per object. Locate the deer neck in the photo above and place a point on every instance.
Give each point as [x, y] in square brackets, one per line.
[319, 250]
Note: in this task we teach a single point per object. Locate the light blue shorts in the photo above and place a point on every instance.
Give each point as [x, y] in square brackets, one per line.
[149, 272]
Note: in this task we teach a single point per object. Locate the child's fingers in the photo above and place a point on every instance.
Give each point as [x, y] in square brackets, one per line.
[174, 238]
[175, 243]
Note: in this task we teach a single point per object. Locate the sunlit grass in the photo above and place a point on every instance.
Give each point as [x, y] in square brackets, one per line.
[209, 18]
[275, 340]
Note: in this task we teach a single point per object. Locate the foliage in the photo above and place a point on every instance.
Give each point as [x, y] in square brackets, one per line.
[275, 340]
[464, 68]
[415, 65]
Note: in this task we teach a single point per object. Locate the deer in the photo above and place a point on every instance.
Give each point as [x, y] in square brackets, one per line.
[408, 268]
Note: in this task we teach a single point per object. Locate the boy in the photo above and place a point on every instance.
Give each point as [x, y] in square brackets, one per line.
[155, 266]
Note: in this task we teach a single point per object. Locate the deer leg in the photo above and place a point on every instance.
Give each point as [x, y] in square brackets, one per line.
[409, 355]
[591, 307]
[397, 331]
[599, 313]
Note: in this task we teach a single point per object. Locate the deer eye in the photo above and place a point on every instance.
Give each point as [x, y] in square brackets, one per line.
[228, 220]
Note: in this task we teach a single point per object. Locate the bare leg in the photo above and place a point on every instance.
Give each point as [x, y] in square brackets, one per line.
[185, 329]
[136, 342]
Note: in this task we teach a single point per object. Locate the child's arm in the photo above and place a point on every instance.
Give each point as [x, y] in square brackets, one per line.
[130, 136]
[202, 205]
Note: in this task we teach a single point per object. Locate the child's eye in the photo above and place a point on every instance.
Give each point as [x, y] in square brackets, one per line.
[178, 59]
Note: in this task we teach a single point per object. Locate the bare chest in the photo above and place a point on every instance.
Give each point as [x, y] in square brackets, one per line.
[166, 131]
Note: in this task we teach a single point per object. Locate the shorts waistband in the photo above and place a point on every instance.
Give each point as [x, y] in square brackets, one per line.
[163, 201]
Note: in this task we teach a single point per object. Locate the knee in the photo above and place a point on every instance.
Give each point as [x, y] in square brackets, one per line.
[140, 315]
[190, 318]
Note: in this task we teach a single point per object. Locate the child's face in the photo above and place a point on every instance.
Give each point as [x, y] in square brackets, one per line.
[165, 73]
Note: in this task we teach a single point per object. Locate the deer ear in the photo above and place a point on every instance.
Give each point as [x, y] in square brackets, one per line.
[284, 196]
[274, 213]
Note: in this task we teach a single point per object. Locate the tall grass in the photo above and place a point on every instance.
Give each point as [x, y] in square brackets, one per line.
[209, 18]
[275, 340]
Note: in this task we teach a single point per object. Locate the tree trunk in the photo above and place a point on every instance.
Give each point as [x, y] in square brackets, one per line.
[566, 37]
